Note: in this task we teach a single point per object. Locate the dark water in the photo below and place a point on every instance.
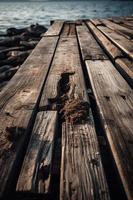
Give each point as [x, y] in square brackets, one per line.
[20, 14]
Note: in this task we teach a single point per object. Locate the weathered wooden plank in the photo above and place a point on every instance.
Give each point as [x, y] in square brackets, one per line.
[123, 22]
[82, 175]
[65, 84]
[126, 67]
[67, 91]
[96, 22]
[36, 169]
[114, 99]
[69, 30]
[120, 41]
[118, 28]
[18, 103]
[65, 67]
[110, 48]
[90, 49]
[55, 28]
[128, 18]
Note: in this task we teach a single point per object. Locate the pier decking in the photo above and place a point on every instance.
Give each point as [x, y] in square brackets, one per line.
[66, 119]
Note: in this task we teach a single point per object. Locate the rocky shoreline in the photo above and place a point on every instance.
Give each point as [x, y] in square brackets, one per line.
[15, 47]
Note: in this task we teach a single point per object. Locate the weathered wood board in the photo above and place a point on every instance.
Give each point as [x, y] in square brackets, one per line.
[69, 30]
[67, 58]
[118, 28]
[125, 66]
[114, 99]
[90, 49]
[120, 41]
[123, 22]
[18, 103]
[36, 170]
[110, 48]
[82, 175]
[55, 29]
[65, 67]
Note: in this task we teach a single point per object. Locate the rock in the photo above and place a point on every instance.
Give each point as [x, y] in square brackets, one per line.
[15, 31]
[9, 42]
[15, 60]
[5, 76]
[29, 45]
[2, 55]
[37, 28]
[18, 53]
[5, 68]
[6, 50]
[15, 48]
[36, 39]
[32, 29]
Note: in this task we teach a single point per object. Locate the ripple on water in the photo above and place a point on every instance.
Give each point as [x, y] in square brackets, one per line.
[23, 14]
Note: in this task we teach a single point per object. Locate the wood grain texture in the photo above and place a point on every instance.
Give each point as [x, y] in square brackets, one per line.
[66, 61]
[96, 22]
[69, 30]
[122, 22]
[126, 67]
[82, 175]
[90, 49]
[114, 99]
[36, 170]
[120, 41]
[110, 48]
[55, 28]
[128, 33]
[18, 103]
[74, 182]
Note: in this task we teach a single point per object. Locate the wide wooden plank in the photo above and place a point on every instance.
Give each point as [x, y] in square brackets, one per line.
[120, 41]
[90, 49]
[67, 90]
[125, 66]
[55, 28]
[118, 28]
[114, 99]
[65, 67]
[110, 48]
[69, 30]
[18, 103]
[123, 22]
[82, 175]
[96, 22]
[64, 86]
[36, 170]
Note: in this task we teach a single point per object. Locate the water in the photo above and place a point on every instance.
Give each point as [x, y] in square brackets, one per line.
[20, 14]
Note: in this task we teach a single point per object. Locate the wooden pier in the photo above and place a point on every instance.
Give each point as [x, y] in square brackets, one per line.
[66, 117]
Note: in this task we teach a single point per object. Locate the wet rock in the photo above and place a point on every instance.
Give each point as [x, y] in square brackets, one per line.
[39, 29]
[7, 75]
[6, 50]
[15, 59]
[9, 42]
[29, 45]
[15, 47]
[33, 29]
[15, 31]
[18, 54]
[5, 68]
[2, 55]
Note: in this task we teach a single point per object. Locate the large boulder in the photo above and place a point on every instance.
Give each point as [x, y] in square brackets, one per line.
[14, 31]
[10, 42]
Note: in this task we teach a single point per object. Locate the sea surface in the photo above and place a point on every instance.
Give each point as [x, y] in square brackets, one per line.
[21, 14]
